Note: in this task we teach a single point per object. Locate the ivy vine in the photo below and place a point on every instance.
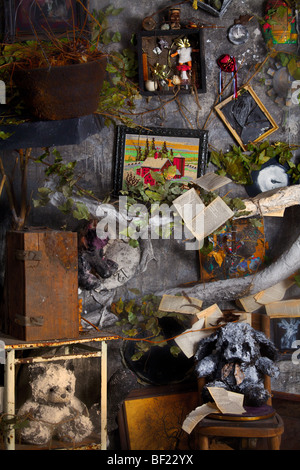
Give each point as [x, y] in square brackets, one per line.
[139, 318]
[238, 164]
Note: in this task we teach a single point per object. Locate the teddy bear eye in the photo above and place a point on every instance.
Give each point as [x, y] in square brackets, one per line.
[246, 348]
[52, 389]
[68, 388]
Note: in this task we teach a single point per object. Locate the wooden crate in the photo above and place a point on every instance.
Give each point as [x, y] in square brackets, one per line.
[41, 285]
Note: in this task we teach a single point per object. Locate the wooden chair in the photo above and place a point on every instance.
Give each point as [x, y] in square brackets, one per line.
[264, 424]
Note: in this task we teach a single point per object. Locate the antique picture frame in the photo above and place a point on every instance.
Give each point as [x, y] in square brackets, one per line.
[161, 409]
[41, 19]
[284, 332]
[159, 61]
[246, 117]
[187, 149]
[206, 6]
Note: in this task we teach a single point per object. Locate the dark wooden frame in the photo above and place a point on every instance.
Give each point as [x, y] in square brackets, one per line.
[209, 9]
[55, 28]
[120, 144]
[284, 353]
[195, 36]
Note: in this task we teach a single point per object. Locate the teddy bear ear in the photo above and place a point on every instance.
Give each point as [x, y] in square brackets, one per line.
[36, 370]
[267, 347]
[69, 365]
[206, 346]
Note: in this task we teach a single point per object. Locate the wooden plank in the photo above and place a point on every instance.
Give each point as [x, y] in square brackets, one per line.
[42, 291]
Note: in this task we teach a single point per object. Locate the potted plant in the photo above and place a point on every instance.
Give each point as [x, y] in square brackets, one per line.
[62, 77]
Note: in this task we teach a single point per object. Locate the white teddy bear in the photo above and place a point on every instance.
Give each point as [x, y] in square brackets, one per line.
[53, 411]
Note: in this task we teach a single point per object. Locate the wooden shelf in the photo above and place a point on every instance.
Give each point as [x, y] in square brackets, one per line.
[90, 443]
[12, 346]
[84, 337]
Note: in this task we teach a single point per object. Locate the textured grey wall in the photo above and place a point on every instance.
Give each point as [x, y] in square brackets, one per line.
[173, 264]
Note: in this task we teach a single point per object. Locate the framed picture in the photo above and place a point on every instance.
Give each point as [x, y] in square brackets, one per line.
[171, 61]
[246, 117]
[140, 152]
[152, 418]
[285, 331]
[214, 8]
[29, 19]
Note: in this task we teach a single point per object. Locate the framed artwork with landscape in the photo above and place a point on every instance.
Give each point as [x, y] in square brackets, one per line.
[140, 152]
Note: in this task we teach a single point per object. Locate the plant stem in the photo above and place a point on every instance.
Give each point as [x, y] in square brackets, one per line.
[9, 193]
[24, 172]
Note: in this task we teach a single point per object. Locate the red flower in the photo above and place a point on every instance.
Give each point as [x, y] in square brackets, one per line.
[266, 26]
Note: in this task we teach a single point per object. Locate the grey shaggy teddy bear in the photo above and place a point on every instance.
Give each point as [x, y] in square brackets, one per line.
[53, 411]
[236, 357]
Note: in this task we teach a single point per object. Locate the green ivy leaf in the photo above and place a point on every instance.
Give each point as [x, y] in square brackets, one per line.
[5, 135]
[81, 212]
[131, 332]
[132, 318]
[175, 351]
[294, 69]
[138, 355]
[116, 37]
[67, 206]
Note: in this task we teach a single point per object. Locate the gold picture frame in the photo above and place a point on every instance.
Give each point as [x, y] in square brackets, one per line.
[246, 117]
[152, 418]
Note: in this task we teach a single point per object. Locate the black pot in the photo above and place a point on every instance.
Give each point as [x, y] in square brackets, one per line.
[62, 92]
[157, 366]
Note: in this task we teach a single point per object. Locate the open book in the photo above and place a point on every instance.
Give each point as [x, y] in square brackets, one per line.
[201, 220]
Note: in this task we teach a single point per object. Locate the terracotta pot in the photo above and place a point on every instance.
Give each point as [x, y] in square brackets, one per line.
[62, 92]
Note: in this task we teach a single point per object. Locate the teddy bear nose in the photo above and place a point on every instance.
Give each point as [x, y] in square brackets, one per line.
[63, 395]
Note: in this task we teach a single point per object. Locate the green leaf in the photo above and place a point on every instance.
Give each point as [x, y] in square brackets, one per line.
[294, 69]
[81, 212]
[131, 332]
[133, 243]
[153, 195]
[67, 206]
[132, 318]
[157, 176]
[116, 37]
[175, 351]
[151, 323]
[5, 135]
[118, 306]
[135, 291]
[129, 306]
[137, 356]
[256, 222]
[297, 279]
[284, 59]
[281, 11]
[160, 341]
[170, 172]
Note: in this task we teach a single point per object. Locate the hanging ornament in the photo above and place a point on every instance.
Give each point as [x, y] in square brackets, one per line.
[227, 64]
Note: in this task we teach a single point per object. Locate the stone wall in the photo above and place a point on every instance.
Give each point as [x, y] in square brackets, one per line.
[172, 265]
